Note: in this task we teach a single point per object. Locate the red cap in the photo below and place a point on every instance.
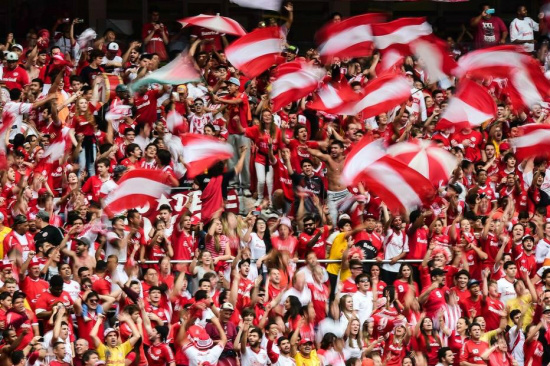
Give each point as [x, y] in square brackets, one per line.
[305, 340]
[195, 220]
[199, 337]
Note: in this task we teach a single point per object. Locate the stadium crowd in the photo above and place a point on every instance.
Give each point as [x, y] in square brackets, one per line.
[463, 280]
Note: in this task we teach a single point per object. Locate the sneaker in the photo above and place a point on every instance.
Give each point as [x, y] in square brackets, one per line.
[247, 192]
[258, 202]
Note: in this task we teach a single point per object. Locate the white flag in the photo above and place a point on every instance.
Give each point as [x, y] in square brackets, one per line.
[274, 5]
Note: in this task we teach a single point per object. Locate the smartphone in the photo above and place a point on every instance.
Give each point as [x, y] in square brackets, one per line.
[79, 20]
[490, 11]
[66, 20]
[176, 96]
[117, 324]
[256, 213]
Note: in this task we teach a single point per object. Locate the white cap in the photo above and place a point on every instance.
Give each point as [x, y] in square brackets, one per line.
[113, 46]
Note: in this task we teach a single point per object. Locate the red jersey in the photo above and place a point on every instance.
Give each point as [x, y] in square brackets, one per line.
[418, 243]
[33, 289]
[146, 106]
[435, 302]
[46, 301]
[283, 180]
[19, 322]
[298, 152]
[491, 309]
[85, 327]
[23, 243]
[472, 152]
[160, 355]
[16, 78]
[472, 351]
[526, 263]
[320, 246]
[471, 307]
[319, 297]
[533, 352]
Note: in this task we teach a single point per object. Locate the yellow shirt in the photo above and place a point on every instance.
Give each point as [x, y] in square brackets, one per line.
[516, 304]
[338, 247]
[114, 356]
[486, 337]
[5, 231]
[313, 359]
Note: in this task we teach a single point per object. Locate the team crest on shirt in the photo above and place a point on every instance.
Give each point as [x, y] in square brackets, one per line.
[65, 297]
[145, 97]
[15, 74]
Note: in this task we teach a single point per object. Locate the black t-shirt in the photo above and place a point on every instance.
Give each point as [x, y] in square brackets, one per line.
[51, 234]
[88, 74]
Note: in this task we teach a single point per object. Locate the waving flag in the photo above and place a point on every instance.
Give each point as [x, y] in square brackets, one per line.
[351, 37]
[379, 96]
[8, 119]
[435, 55]
[332, 98]
[200, 152]
[434, 163]
[534, 141]
[256, 52]
[294, 80]
[216, 23]
[398, 185]
[470, 107]
[136, 188]
[274, 5]
[395, 37]
[179, 71]
[526, 82]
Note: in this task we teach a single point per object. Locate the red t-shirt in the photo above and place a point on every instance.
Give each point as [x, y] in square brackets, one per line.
[146, 106]
[17, 320]
[46, 301]
[472, 351]
[320, 247]
[159, 355]
[488, 33]
[33, 289]
[16, 78]
[490, 309]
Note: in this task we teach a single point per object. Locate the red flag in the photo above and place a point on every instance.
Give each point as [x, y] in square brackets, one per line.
[200, 152]
[534, 141]
[294, 80]
[435, 55]
[332, 98]
[396, 36]
[351, 37]
[470, 107]
[379, 96]
[255, 52]
[136, 188]
[398, 185]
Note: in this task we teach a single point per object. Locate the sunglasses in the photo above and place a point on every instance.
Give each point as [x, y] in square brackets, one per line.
[93, 301]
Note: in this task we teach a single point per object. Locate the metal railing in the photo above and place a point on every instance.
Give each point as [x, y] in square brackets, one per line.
[176, 261]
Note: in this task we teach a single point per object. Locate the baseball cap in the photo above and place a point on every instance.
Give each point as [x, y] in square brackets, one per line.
[546, 309]
[12, 56]
[292, 49]
[437, 272]
[34, 262]
[455, 187]
[84, 240]
[113, 46]
[472, 283]
[526, 237]
[182, 88]
[234, 80]
[17, 45]
[43, 215]
[19, 219]
[305, 340]
[227, 306]
[109, 330]
[121, 88]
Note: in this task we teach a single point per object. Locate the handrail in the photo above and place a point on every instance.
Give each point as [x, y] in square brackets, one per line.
[178, 261]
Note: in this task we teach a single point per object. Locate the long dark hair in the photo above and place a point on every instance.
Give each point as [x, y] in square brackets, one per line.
[267, 235]
[295, 308]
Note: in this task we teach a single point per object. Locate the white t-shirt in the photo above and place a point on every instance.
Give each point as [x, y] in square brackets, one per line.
[362, 304]
[394, 244]
[542, 250]
[506, 290]
[524, 30]
[251, 358]
[304, 296]
[207, 357]
[73, 288]
[17, 109]
[197, 123]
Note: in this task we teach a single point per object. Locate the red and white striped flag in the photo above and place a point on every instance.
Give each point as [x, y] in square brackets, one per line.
[294, 80]
[398, 185]
[255, 52]
[397, 36]
[136, 188]
[534, 141]
[351, 37]
[526, 82]
[200, 152]
[331, 98]
[433, 162]
[174, 121]
[470, 107]
[380, 96]
[435, 56]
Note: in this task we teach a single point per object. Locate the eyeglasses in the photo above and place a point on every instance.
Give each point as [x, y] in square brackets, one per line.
[93, 301]
[198, 104]
[364, 281]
